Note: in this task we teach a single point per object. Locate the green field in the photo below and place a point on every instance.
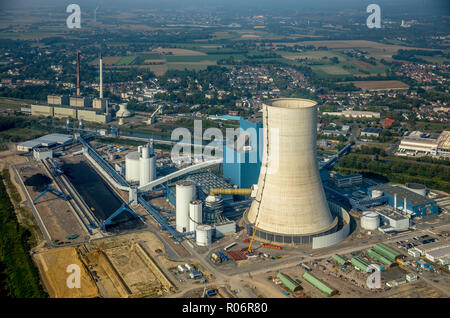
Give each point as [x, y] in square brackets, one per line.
[127, 60]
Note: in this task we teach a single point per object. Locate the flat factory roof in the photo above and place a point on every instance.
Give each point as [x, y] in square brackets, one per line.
[391, 214]
[402, 193]
[440, 253]
[46, 141]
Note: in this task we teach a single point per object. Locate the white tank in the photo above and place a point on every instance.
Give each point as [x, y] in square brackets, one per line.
[132, 167]
[185, 193]
[370, 220]
[203, 234]
[147, 171]
[195, 214]
[417, 188]
[377, 193]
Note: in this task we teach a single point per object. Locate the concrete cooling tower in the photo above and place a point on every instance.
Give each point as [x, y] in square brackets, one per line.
[290, 204]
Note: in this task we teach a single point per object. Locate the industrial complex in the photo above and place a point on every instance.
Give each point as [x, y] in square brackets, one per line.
[146, 226]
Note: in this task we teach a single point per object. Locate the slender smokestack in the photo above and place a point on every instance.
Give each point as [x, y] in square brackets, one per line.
[78, 73]
[101, 76]
[395, 201]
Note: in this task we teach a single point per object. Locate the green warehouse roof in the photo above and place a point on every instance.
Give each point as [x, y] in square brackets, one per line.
[324, 288]
[379, 257]
[386, 251]
[360, 263]
[288, 282]
[339, 259]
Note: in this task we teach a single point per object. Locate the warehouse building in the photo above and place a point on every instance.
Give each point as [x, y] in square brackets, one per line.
[359, 263]
[384, 260]
[289, 282]
[443, 144]
[387, 252]
[405, 200]
[347, 180]
[320, 285]
[371, 132]
[45, 141]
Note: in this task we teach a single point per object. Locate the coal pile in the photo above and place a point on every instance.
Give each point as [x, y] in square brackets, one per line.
[38, 181]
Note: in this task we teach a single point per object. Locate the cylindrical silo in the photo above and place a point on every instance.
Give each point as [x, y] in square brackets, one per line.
[185, 193]
[195, 214]
[147, 171]
[290, 201]
[132, 167]
[370, 220]
[417, 188]
[203, 234]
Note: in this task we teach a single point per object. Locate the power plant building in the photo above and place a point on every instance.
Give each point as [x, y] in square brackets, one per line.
[290, 206]
[407, 201]
[242, 160]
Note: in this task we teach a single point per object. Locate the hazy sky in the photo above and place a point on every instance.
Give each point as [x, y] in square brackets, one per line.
[326, 5]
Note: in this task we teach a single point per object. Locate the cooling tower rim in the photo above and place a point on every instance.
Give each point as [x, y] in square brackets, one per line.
[334, 224]
[291, 103]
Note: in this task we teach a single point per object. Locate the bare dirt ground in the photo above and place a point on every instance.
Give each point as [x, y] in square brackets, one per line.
[53, 265]
[380, 85]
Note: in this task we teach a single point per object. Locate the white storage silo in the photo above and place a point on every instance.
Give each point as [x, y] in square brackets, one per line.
[195, 214]
[417, 188]
[132, 167]
[203, 234]
[147, 171]
[370, 220]
[185, 193]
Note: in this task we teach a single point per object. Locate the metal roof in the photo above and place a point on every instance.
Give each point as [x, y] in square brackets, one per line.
[47, 140]
[402, 193]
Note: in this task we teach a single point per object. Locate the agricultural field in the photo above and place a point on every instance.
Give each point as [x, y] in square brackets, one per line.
[380, 85]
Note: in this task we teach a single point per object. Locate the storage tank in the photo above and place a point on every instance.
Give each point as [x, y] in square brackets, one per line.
[195, 214]
[132, 167]
[185, 193]
[147, 171]
[417, 188]
[370, 220]
[203, 234]
[290, 201]
[377, 193]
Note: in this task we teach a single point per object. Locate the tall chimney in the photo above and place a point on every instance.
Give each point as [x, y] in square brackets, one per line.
[78, 73]
[101, 76]
[395, 201]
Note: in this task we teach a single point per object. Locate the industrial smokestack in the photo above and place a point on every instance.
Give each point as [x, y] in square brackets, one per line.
[290, 204]
[101, 76]
[78, 73]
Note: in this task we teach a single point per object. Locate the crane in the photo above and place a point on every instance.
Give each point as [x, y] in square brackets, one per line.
[151, 119]
[249, 250]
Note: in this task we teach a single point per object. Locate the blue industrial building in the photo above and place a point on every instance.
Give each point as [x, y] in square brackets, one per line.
[241, 166]
[399, 197]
